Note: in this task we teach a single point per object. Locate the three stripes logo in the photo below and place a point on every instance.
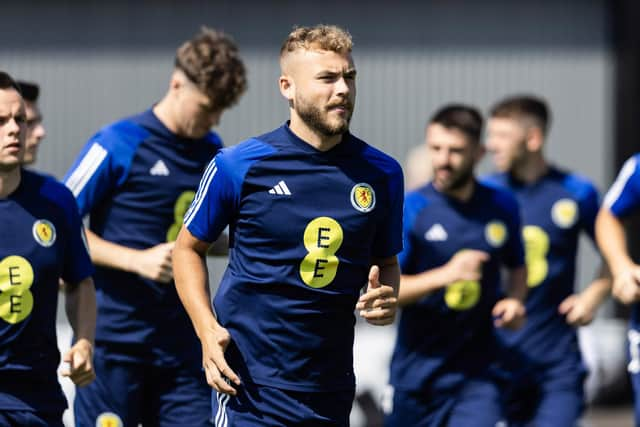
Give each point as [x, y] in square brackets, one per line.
[280, 189]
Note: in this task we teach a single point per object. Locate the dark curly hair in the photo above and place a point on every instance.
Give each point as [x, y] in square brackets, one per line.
[211, 61]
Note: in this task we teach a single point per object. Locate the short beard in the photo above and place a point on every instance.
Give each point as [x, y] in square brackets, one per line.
[312, 117]
[460, 181]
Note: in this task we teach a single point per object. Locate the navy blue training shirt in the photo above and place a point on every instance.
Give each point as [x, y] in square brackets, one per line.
[40, 241]
[304, 227]
[447, 337]
[136, 179]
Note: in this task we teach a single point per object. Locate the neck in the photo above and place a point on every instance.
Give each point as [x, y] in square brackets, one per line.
[312, 137]
[164, 113]
[9, 181]
[532, 169]
[462, 193]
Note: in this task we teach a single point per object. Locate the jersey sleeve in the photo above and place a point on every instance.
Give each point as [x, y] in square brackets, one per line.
[77, 262]
[215, 202]
[589, 203]
[624, 195]
[513, 250]
[388, 240]
[414, 203]
[101, 166]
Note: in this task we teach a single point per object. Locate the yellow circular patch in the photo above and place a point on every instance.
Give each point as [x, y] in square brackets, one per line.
[44, 232]
[536, 242]
[16, 278]
[322, 238]
[496, 233]
[108, 419]
[564, 213]
[462, 295]
[363, 198]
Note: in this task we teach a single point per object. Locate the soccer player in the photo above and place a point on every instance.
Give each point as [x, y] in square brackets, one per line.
[458, 234]
[135, 179]
[40, 241]
[35, 129]
[623, 199]
[315, 214]
[543, 359]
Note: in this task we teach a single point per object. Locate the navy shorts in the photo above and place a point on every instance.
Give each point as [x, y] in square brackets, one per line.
[476, 403]
[128, 394]
[547, 396]
[259, 406]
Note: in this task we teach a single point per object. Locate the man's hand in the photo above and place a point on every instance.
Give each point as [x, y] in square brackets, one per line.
[218, 373]
[626, 285]
[154, 263]
[80, 360]
[578, 311]
[379, 303]
[466, 265]
[509, 313]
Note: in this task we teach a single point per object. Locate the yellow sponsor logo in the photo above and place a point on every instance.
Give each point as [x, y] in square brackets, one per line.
[363, 198]
[564, 213]
[462, 295]
[44, 232]
[496, 233]
[16, 299]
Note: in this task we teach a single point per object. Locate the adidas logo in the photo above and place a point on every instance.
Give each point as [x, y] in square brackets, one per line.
[159, 169]
[281, 189]
[436, 233]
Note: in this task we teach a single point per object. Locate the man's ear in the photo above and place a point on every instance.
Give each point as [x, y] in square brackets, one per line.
[535, 139]
[287, 87]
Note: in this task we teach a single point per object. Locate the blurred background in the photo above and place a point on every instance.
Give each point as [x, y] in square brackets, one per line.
[99, 61]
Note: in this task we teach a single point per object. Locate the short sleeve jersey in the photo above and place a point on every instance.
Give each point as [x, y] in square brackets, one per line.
[555, 210]
[40, 241]
[304, 226]
[447, 336]
[622, 200]
[135, 179]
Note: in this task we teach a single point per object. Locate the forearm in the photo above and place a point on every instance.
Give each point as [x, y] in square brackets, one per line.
[611, 239]
[414, 287]
[191, 279]
[108, 254]
[517, 284]
[80, 305]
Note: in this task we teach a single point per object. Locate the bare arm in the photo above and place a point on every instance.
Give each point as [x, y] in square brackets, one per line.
[153, 263]
[464, 265]
[612, 242]
[610, 235]
[379, 303]
[80, 305]
[191, 278]
[580, 308]
[510, 312]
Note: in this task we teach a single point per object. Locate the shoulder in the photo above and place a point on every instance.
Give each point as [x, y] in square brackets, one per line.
[579, 186]
[417, 200]
[235, 161]
[377, 158]
[496, 180]
[497, 196]
[53, 191]
[125, 134]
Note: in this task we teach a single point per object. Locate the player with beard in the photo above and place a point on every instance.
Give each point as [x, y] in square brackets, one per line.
[314, 215]
[458, 234]
[542, 360]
